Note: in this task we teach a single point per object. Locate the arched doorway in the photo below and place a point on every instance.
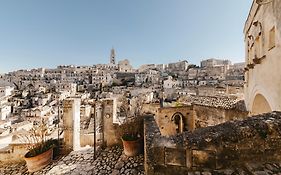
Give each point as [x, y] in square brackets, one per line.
[177, 118]
[260, 105]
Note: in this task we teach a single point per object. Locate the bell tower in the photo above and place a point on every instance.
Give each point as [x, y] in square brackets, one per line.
[112, 56]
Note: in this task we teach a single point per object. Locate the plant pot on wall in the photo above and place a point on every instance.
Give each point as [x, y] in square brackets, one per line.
[132, 147]
[39, 161]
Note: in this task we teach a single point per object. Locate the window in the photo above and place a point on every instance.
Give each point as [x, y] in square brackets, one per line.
[271, 43]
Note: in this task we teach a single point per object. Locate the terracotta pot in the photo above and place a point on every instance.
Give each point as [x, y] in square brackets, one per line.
[40, 161]
[132, 148]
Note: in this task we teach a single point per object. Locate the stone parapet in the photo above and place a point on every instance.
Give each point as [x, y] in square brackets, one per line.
[233, 143]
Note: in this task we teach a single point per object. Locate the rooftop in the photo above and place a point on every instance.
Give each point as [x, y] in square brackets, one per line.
[216, 101]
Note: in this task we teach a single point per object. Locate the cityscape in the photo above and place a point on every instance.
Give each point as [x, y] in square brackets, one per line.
[214, 116]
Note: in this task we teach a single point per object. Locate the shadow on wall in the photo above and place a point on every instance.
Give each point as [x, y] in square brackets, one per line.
[260, 105]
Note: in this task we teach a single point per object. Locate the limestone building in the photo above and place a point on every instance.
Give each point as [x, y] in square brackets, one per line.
[214, 62]
[178, 66]
[263, 52]
[125, 66]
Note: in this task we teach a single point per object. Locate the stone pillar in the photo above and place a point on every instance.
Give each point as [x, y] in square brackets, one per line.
[110, 137]
[71, 122]
[99, 121]
[98, 117]
[114, 111]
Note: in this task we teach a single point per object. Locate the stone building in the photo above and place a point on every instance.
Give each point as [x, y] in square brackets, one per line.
[5, 111]
[171, 83]
[263, 51]
[6, 91]
[178, 66]
[125, 66]
[215, 62]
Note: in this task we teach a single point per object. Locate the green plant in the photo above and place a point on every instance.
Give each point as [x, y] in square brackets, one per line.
[37, 139]
[40, 148]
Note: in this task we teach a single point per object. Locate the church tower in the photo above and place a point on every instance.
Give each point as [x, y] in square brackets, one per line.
[112, 56]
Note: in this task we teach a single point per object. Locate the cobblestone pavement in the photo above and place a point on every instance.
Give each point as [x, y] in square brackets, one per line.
[111, 161]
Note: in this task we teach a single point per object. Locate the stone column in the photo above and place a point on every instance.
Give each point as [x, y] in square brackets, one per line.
[71, 122]
[114, 111]
[110, 137]
[98, 117]
[99, 121]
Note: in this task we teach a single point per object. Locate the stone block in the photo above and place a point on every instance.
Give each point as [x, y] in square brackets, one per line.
[175, 156]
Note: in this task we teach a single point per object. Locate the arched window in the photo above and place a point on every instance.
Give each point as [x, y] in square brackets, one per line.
[177, 118]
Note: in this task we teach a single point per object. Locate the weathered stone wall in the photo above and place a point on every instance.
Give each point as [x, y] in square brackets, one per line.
[209, 116]
[71, 121]
[166, 122]
[161, 154]
[150, 108]
[194, 116]
[14, 153]
[254, 139]
[86, 139]
[110, 136]
[101, 122]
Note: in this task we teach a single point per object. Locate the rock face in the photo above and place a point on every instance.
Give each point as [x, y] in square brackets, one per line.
[109, 161]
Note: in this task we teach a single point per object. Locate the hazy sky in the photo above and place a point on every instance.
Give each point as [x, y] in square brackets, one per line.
[37, 33]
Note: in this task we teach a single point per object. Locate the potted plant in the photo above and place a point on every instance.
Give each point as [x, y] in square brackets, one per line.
[131, 133]
[130, 129]
[40, 148]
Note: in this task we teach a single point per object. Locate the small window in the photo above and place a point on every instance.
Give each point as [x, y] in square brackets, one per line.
[271, 44]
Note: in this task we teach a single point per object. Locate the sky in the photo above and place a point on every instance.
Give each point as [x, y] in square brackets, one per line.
[47, 33]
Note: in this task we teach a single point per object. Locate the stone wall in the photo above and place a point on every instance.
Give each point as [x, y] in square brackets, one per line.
[161, 154]
[194, 116]
[167, 123]
[210, 116]
[231, 143]
[150, 108]
[86, 139]
[14, 153]
[110, 136]
[263, 51]
[71, 121]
